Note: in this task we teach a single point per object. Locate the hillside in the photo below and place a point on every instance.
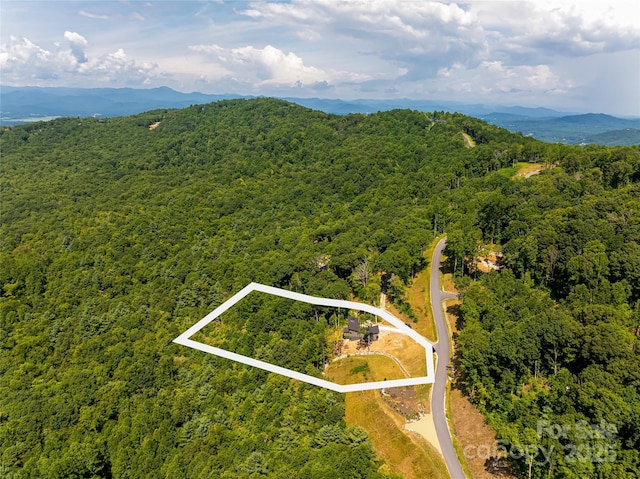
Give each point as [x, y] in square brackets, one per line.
[626, 136]
[573, 129]
[117, 237]
[28, 104]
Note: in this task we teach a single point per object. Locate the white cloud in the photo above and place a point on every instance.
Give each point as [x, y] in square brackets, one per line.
[22, 59]
[493, 81]
[566, 49]
[529, 32]
[494, 76]
[97, 16]
[396, 18]
[76, 38]
[482, 47]
[78, 44]
[20, 52]
[424, 36]
[271, 66]
[117, 66]
[419, 36]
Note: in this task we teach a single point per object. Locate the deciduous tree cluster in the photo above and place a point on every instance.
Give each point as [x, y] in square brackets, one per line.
[554, 335]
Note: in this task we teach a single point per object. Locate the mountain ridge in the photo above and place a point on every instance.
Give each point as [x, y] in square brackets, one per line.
[28, 104]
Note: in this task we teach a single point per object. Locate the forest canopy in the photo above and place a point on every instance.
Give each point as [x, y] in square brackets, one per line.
[117, 237]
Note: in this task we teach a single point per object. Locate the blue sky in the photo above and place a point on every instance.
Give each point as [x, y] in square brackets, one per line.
[579, 56]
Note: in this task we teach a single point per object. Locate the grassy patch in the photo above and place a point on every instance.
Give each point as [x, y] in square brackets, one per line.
[420, 301]
[412, 356]
[508, 172]
[359, 369]
[519, 170]
[450, 306]
[419, 298]
[404, 453]
[362, 368]
[448, 284]
[423, 392]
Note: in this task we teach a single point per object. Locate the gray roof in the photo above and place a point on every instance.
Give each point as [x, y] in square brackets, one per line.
[354, 324]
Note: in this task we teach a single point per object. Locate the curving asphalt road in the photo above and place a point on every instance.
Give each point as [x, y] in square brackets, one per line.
[443, 351]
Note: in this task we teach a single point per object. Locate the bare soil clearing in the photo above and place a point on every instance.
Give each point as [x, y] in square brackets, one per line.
[468, 141]
[426, 429]
[492, 261]
[476, 438]
[405, 402]
[528, 170]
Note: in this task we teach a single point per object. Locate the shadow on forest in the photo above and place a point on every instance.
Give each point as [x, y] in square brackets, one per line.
[446, 267]
[454, 309]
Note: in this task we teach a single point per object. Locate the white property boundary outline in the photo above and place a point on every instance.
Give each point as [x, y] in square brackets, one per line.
[184, 340]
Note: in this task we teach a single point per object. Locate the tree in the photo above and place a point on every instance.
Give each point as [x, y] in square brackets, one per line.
[255, 465]
[591, 266]
[362, 272]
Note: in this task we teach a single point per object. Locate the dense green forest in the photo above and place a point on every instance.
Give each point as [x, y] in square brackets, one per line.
[117, 237]
[549, 347]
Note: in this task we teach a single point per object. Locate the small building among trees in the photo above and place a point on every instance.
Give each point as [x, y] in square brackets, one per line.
[373, 333]
[352, 331]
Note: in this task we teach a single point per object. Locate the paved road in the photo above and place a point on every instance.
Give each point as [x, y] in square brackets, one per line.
[443, 352]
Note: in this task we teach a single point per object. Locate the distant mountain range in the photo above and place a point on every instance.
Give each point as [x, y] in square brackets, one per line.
[574, 129]
[24, 104]
[28, 104]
